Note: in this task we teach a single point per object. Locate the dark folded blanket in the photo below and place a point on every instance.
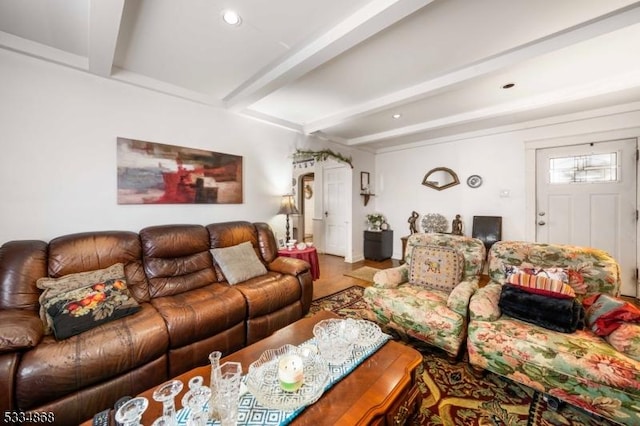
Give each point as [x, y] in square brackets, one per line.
[564, 315]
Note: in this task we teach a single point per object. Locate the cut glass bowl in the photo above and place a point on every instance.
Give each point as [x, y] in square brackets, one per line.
[369, 333]
[263, 381]
[336, 338]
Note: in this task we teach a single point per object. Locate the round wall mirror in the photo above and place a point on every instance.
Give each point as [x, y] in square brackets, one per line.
[440, 178]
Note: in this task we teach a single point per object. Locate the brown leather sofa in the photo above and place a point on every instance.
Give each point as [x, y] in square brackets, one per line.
[187, 311]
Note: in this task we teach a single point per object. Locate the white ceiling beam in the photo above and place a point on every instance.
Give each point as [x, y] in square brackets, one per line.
[543, 122]
[607, 85]
[269, 119]
[42, 51]
[104, 26]
[367, 21]
[616, 20]
[152, 84]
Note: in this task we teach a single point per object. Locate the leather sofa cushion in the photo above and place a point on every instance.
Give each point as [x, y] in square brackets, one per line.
[200, 313]
[8, 368]
[168, 277]
[19, 329]
[21, 264]
[268, 293]
[226, 234]
[176, 259]
[90, 251]
[78, 407]
[92, 357]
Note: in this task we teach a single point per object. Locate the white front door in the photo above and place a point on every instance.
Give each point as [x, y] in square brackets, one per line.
[335, 210]
[586, 196]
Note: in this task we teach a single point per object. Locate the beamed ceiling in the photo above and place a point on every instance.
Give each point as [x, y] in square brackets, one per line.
[341, 69]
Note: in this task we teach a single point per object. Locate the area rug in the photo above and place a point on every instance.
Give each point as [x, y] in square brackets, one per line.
[347, 302]
[364, 273]
[453, 396]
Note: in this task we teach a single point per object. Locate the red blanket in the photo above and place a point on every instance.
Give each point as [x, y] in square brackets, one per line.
[606, 313]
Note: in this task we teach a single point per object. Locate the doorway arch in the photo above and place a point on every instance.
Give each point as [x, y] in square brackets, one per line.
[306, 203]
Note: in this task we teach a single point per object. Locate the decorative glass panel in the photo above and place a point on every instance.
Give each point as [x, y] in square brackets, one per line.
[584, 168]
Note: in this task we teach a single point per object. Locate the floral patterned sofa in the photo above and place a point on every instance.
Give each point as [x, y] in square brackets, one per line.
[600, 375]
[435, 316]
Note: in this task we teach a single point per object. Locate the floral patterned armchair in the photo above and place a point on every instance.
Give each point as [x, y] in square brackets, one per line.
[435, 316]
[598, 374]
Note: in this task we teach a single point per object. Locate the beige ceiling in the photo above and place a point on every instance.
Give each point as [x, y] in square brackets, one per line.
[341, 68]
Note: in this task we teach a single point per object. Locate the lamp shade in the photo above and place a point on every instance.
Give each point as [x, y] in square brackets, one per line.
[288, 205]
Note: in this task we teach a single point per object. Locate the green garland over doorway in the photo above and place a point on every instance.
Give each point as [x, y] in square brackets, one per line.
[325, 154]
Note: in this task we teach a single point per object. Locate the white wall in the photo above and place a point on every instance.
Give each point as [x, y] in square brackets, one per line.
[58, 130]
[361, 161]
[500, 159]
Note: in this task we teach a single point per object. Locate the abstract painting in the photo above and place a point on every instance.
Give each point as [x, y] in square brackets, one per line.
[155, 173]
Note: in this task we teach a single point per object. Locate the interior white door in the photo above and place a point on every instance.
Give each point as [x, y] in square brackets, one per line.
[586, 196]
[335, 210]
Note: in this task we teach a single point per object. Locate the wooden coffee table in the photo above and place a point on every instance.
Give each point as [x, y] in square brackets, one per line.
[380, 391]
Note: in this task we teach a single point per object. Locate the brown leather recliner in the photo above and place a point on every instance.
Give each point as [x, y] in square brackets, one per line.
[187, 310]
[273, 300]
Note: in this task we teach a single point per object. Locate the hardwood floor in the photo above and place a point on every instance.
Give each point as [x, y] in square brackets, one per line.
[332, 278]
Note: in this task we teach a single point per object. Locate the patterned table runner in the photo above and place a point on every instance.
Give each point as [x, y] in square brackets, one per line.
[251, 413]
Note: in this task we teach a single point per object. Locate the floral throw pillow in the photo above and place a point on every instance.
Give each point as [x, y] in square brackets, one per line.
[81, 309]
[54, 286]
[436, 267]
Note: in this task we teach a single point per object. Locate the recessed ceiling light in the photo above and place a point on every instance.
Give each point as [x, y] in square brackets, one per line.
[508, 85]
[396, 116]
[231, 17]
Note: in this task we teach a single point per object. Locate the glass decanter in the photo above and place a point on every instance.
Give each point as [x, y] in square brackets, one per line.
[166, 394]
[130, 413]
[214, 358]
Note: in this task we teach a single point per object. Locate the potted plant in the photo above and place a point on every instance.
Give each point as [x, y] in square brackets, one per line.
[375, 221]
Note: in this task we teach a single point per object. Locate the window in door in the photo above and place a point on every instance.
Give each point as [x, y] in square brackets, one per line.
[593, 168]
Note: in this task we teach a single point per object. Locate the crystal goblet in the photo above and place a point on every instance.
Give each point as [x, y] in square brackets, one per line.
[166, 394]
[130, 413]
[195, 400]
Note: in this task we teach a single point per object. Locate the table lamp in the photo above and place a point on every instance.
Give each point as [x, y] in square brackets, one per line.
[287, 207]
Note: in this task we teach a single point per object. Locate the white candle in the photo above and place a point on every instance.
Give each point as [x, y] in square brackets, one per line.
[290, 372]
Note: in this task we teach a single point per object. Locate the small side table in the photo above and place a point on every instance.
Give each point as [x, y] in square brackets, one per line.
[378, 245]
[310, 255]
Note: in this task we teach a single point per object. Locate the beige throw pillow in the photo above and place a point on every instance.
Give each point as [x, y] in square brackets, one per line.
[238, 263]
[436, 267]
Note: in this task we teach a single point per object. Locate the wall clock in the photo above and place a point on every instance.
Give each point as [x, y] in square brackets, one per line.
[474, 181]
